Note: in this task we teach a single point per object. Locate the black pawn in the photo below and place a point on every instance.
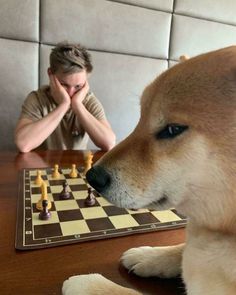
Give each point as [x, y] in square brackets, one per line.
[65, 194]
[45, 214]
[90, 200]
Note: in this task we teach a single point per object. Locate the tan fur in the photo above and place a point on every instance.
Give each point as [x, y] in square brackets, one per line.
[195, 170]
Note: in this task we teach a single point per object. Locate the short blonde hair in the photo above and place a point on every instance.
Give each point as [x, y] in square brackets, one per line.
[70, 58]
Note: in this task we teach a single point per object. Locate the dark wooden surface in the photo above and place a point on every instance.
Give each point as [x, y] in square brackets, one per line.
[43, 271]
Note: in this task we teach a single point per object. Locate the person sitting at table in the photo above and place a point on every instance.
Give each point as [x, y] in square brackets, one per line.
[64, 113]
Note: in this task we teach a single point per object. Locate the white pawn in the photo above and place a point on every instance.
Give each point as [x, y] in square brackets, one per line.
[73, 173]
[56, 173]
[38, 179]
[88, 161]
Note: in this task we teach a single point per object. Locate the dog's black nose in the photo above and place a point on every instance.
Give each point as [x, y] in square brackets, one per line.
[98, 178]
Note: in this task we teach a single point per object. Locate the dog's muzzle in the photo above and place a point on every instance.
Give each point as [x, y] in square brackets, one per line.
[98, 178]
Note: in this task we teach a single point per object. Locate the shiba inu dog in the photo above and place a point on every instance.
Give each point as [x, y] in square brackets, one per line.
[182, 154]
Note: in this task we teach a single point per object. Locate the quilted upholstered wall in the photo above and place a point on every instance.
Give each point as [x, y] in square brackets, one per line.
[131, 42]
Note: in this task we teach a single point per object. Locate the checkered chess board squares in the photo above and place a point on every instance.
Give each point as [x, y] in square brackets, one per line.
[72, 221]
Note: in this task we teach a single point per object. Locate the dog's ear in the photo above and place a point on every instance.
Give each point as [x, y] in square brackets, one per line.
[183, 58]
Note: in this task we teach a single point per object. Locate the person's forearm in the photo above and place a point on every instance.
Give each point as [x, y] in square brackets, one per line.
[101, 134]
[33, 134]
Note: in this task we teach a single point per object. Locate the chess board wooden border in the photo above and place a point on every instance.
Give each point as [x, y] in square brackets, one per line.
[24, 203]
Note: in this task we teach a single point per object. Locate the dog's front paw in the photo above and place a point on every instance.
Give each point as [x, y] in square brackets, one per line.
[93, 284]
[81, 284]
[162, 262]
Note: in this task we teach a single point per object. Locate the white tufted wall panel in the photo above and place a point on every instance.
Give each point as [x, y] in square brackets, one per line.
[131, 42]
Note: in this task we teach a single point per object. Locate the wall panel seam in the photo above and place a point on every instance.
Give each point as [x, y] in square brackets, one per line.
[141, 6]
[206, 19]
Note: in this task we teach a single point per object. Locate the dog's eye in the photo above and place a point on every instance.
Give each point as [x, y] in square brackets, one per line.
[171, 131]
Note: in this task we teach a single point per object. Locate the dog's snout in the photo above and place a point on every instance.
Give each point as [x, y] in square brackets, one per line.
[98, 178]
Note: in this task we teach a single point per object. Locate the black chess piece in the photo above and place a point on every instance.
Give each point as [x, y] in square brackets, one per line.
[90, 200]
[44, 214]
[65, 194]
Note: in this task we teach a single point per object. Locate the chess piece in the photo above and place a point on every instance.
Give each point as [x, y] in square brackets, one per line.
[90, 200]
[44, 214]
[44, 196]
[65, 194]
[56, 173]
[88, 160]
[38, 179]
[73, 173]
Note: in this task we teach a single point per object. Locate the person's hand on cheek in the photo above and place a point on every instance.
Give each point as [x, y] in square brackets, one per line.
[58, 92]
[80, 95]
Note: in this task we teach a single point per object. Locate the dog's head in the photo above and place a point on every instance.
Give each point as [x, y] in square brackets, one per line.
[182, 152]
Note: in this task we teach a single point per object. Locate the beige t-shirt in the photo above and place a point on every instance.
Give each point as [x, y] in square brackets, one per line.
[69, 134]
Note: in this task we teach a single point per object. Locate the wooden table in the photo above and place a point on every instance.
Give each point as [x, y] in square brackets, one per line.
[43, 271]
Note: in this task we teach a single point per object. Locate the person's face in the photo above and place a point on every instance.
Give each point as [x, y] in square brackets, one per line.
[72, 83]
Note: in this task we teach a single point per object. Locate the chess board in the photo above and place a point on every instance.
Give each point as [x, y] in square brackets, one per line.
[71, 220]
